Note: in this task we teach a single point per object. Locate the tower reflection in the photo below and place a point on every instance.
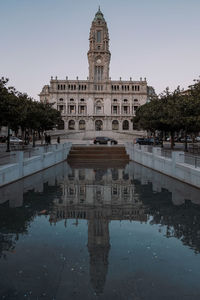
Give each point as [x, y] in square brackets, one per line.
[99, 196]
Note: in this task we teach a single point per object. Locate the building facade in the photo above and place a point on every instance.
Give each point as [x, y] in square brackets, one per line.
[98, 103]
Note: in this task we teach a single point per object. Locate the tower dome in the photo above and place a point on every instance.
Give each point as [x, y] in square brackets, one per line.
[99, 15]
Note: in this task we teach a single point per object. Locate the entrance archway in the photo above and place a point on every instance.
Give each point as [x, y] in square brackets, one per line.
[98, 125]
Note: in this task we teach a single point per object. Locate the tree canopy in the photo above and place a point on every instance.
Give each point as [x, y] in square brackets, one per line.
[171, 112]
[18, 110]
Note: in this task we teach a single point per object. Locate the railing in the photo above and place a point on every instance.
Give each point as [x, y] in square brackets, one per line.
[191, 160]
[194, 148]
[166, 153]
[11, 157]
[7, 158]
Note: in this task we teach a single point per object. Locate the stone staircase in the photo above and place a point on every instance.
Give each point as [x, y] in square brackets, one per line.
[98, 156]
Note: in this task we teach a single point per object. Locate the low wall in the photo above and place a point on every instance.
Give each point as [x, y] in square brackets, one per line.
[173, 166]
[43, 158]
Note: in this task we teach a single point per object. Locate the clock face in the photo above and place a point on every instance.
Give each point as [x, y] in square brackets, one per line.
[98, 60]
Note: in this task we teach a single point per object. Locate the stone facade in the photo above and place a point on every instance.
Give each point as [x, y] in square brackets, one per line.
[98, 103]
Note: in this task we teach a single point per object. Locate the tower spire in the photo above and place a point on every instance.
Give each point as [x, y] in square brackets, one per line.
[99, 54]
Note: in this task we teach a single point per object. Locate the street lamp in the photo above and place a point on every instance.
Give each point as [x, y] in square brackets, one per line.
[8, 140]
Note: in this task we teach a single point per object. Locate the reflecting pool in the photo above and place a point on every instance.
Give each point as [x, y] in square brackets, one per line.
[99, 233]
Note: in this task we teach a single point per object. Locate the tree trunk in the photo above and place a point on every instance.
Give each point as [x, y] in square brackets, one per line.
[186, 144]
[162, 139]
[34, 138]
[172, 140]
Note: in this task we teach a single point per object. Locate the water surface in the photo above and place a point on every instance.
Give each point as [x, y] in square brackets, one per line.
[99, 233]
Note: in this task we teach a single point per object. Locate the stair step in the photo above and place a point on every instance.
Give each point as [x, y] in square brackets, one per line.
[98, 156]
[94, 154]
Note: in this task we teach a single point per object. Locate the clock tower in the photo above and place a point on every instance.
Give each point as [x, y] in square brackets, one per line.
[99, 54]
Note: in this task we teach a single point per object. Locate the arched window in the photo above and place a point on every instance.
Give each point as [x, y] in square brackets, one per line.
[71, 99]
[61, 99]
[99, 107]
[115, 125]
[135, 100]
[61, 125]
[81, 125]
[98, 125]
[125, 125]
[71, 125]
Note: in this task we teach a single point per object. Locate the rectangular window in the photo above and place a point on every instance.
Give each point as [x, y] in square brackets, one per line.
[72, 109]
[114, 109]
[82, 109]
[125, 109]
[98, 36]
[98, 76]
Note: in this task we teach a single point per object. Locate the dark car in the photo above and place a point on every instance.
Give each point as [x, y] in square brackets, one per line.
[3, 139]
[140, 141]
[104, 140]
[147, 141]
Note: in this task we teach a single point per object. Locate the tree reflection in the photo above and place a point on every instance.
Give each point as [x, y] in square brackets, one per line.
[15, 221]
[181, 222]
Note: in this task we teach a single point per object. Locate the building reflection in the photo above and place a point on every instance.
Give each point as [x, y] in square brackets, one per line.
[98, 196]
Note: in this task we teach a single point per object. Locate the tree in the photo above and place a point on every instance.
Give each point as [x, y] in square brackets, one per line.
[18, 110]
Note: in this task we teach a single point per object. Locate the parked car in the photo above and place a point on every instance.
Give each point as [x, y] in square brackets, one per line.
[147, 141]
[176, 139]
[197, 138]
[189, 139]
[104, 140]
[3, 139]
[15, 140]
[140, 141]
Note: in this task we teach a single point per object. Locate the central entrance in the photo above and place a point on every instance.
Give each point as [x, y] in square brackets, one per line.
[98, 125]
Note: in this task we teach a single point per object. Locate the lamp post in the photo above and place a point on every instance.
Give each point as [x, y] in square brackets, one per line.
[8, 140]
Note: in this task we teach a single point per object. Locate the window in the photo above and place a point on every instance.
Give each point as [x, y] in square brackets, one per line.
[61, 107]
[72, 109]
[114, 100]
[61, 99]
[61, 125]
[71, 125]
[81, 109]
[125, 109]
[81, 125]
[82, 177]
[114, 110]
[82, 100]
[135, 108]
[115, 125]
[98, 36]
[125, 100]
[125, 125]
[98, 109]
[114, 191]
[135, 100]
[115, 175]
[98, 75]
[71, 100]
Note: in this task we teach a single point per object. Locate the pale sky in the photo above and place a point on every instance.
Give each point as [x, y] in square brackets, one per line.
[156, 39]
